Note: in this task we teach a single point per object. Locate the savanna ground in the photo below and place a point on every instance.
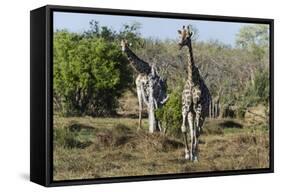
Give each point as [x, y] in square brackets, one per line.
[87, 147]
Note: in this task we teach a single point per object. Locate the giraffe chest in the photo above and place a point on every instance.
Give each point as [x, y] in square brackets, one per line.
[191, 91]
[142, 83]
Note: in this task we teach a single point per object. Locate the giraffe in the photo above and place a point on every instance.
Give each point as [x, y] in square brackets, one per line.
[150, 87]
[195, 99]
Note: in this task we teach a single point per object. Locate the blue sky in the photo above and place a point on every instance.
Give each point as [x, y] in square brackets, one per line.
[160, 28]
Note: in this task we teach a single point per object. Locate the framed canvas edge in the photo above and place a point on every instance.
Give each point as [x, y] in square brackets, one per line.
[158, 177]
[49, 80]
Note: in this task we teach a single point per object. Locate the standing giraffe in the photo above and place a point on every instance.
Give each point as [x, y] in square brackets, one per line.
[150, 87]
[195, 99]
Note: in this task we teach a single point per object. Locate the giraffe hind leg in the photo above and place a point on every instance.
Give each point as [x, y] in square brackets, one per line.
[197, 129]
[184, 132]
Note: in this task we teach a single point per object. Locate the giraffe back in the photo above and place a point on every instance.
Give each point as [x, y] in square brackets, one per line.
[205, 98]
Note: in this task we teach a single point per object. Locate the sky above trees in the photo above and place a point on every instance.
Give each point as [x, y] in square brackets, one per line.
[157, 28]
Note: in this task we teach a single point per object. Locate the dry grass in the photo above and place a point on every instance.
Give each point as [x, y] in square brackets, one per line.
[111, 147]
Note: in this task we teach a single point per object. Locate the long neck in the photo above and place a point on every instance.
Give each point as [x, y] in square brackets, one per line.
[139, 65]
[190, 64]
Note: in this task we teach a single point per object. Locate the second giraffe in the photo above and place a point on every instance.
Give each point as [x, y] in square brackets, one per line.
[195, 99]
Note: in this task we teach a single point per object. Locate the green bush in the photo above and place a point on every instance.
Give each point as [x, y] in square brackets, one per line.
[170, 114]
[90, 73]
[241, 111]
[67, 137]
[63, 137]
[257, 91]
[261, 86]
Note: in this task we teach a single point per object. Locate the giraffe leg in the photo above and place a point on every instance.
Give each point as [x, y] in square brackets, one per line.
[197, 108]
[198, 116]
[190, 118]
[196, 136]
[140, 106]
[195, 145]
[183, 130]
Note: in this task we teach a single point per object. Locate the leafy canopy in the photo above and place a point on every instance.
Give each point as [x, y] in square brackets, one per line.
[90, 71]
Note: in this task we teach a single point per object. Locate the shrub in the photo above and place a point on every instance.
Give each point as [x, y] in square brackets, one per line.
[64, 137]
[241, 111]
[67, 138]
[90, 72]
[256, 92]
[170, 114]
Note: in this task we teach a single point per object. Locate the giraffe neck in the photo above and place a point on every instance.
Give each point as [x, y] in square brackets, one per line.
[190, 65]
[139, 65]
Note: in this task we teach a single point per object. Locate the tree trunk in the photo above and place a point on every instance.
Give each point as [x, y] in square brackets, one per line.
[215, 109]
[210, 109]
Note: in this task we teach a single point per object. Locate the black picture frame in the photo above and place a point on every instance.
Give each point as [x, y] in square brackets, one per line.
[41, 81]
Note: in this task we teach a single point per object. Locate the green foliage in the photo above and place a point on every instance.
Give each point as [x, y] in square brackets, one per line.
[170, 114]
[131, 33]
[254, 38]
[90, 72]
[258, 90]
[250, 35]
[241, 111]
[65, 138]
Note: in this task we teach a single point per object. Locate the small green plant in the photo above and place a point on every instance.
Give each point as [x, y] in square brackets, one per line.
[64, 137]
[67, 138]
[241, 110]
[170, 114]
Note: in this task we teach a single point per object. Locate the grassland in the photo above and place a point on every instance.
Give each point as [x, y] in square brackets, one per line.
[88, 147]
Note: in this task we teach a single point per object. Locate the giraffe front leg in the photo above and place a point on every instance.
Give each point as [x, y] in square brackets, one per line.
[191, 129]
[184, 132]
[140, 106]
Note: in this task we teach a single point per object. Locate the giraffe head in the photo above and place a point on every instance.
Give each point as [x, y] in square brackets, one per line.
[125, 44]
[185, 36]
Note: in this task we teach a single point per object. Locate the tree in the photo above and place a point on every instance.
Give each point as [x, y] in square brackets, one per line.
[254, 38]
[90, 73]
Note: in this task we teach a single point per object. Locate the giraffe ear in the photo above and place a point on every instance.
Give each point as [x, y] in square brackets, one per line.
[179, 31]
[130, 44]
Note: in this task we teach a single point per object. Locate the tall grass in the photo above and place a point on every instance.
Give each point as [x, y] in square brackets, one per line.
[115, 148]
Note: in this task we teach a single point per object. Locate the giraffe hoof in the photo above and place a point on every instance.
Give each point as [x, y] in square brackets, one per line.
[187, 157]
[195, 159]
